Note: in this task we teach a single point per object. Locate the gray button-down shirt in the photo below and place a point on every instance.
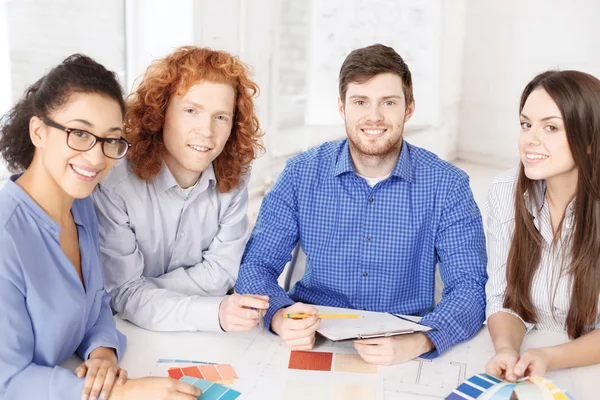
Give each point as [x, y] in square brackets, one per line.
[551, 287]
[170, 255]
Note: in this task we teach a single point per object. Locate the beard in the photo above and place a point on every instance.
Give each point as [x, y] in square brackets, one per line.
[387, 144]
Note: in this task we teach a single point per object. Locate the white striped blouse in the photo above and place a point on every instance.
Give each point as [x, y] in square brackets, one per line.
[551, 287]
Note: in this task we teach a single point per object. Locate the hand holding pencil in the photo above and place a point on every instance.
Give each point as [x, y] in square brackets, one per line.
[297, 333]
[242, 312]
[321, 316]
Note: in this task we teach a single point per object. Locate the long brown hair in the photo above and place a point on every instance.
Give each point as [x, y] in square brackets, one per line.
[175, 74]
[577, 96]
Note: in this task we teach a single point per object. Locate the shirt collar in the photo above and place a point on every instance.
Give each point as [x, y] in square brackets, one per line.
[535, 201]
[207, 179]
[165, 180]
[401, 170]
[34, 208]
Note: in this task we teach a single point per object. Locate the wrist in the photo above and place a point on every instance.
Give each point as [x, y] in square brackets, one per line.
[220, 316]
[506, 345]
[552, 354]
[425, 343]
[506, 348]
[277, 320]
[104, 352]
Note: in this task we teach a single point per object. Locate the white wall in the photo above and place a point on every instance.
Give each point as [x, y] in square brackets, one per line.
[470, 58]
[153, 28]
[451, 70]
[507, 43]
[5, 69]
[42, 34]
[39, 35]
[428, 35]
[5, 76]
[411, 27]
[442, 137]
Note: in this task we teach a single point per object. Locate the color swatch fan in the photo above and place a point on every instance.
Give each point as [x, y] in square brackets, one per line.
[487, 387]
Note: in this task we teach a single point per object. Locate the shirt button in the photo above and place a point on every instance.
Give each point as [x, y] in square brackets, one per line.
[365, 274]
[368, 238]
[182, 234]
[371, 200]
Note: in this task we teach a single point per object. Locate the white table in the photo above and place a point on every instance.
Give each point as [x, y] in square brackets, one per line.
[261, 363]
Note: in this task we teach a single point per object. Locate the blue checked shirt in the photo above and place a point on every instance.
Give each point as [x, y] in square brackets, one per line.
[374, 248]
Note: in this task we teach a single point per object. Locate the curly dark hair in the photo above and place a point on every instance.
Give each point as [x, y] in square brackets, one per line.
[76, 74]
[175, 74]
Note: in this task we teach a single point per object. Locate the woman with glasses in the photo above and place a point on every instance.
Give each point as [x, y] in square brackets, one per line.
[65, 135]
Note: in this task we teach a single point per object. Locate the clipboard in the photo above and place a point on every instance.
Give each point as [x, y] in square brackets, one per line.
[371, 325]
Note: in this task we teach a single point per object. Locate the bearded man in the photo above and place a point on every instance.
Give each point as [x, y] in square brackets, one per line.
[374, 216]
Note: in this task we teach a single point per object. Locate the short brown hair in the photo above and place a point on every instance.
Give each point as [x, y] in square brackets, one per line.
[174, 75]
[363, 64]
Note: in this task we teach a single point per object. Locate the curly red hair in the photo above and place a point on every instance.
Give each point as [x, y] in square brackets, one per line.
[175, 74]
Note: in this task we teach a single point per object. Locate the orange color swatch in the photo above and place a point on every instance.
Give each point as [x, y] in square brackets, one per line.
[310, 360]
[217, 373]
[210, 373]
[226, 371]
[176, 373]
[193, 371]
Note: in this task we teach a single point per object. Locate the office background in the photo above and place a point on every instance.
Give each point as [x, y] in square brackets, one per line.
[470, 61]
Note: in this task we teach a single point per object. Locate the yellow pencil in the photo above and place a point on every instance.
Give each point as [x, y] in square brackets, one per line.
[298, 316]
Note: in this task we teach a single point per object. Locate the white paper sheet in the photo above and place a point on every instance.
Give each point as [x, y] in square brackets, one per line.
[370, 324]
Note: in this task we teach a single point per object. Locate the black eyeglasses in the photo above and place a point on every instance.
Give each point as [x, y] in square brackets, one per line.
[80, 140]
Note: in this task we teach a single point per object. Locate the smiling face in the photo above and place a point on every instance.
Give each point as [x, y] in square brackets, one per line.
[77, 172]
[196, 129]
[374, 113]
[543, 145]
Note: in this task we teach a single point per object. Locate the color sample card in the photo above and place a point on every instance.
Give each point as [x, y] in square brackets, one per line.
[211, 390]
[300, 390]
[163, 365]
[487, 387]
[310, 360]
[353, 391]
[555, 391]
[352, 363]
[174, 361]
[218, 373]
[325, 361]
[335, 387]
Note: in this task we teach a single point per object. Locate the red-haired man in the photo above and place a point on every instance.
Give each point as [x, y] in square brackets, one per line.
[173, 216]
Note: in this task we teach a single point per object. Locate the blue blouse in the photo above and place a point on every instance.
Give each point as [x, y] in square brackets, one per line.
[46, 313]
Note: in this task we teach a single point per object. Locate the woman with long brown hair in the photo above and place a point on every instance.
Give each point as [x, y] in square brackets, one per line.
[544, 230]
